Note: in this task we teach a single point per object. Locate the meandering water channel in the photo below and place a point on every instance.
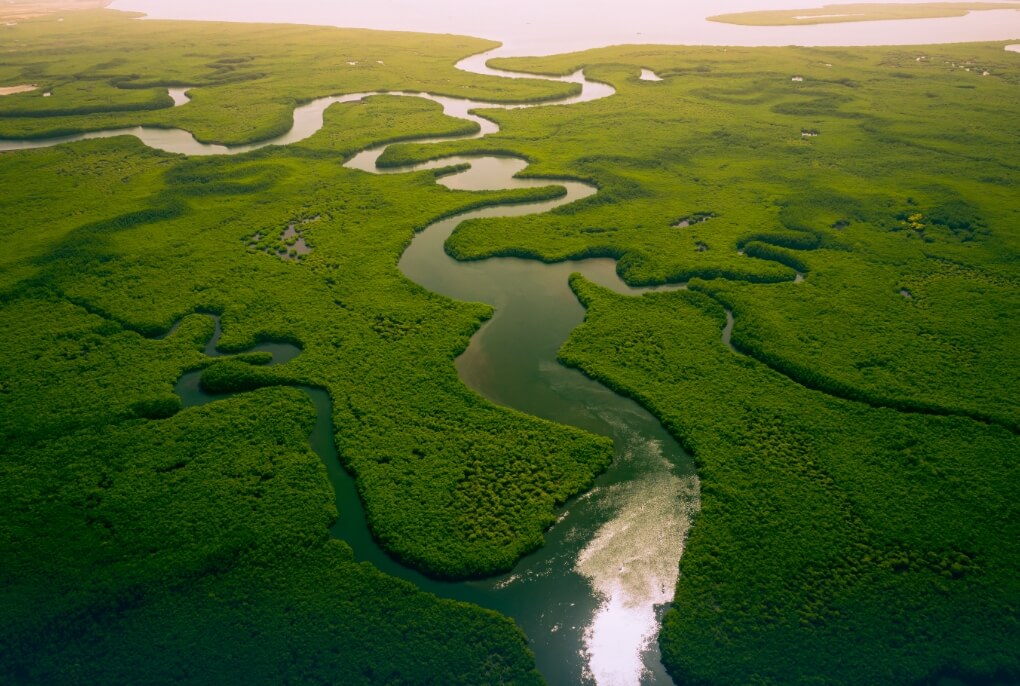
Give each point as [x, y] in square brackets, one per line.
[591, 598]
[588, 600]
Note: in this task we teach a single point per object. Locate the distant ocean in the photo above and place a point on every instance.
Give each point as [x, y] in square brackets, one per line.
[536, 27]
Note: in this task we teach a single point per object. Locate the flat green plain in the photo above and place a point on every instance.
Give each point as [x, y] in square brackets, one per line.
[858, 456]
[867, 11]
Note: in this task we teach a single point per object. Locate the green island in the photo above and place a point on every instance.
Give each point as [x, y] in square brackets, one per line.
[842, 366]
[866, 11]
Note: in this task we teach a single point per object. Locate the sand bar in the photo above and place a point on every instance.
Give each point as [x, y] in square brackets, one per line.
[11, 90]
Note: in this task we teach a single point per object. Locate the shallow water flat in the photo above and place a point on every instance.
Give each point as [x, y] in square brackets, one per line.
[536, 27]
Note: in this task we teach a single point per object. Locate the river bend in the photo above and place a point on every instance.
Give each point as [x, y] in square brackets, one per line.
[591, 599]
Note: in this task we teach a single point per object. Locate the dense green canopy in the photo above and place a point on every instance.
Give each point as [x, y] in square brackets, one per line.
[858, 453]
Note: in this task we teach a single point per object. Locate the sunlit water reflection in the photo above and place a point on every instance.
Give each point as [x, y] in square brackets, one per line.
[625, 536]
[631, 565]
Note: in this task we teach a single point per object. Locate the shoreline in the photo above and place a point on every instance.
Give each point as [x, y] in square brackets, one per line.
[539, 32]
[44, 8]
[533, 46]
[859, 12]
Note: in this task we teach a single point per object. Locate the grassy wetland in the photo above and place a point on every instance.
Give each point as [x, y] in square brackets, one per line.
[872, 11]
[878, 539]
[842, 368]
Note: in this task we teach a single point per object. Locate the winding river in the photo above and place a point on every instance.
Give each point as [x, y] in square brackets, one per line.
[590, 600]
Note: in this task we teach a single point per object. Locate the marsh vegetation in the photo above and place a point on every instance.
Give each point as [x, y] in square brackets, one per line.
[858, 455]
[854, 12]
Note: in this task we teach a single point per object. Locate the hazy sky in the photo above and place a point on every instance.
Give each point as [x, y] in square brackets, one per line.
[548, 26]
